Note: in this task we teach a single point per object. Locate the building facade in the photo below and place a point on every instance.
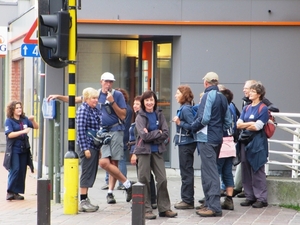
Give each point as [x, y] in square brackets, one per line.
[159, 45]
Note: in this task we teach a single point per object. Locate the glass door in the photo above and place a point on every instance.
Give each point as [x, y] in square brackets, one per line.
[156, 58]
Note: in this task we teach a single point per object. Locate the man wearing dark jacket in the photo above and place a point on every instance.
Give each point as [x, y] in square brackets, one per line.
[213, 117]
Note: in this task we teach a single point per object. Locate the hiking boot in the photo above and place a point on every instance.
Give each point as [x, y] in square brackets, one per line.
[86, 206]
[104, 187]
[168, 213]
[154, 206]
[202, 200]
[18, 197]
[241, 195]
[129, 192]
[9, 196]
[208, 213]
[227, 204]
[110, 198]
[183, 205]
[89, 201]
[259, 204]
[247, 203]
[150, 216]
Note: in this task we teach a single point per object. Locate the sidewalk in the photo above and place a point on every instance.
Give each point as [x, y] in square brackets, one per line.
[25, 212]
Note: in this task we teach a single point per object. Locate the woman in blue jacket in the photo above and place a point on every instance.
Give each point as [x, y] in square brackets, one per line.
[186, 145]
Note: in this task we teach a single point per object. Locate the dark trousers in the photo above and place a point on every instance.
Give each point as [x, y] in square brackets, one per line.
[255, 184]
[156, 163]
[210, 175]
[152, 187]
[186, 165]
[17, 173]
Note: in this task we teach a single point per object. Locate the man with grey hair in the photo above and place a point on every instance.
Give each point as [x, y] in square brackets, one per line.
[213, 117]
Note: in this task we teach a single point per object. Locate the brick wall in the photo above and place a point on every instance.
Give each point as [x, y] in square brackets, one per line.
[16, 81]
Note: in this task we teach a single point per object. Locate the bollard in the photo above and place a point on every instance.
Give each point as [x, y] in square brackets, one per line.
[43, 201]
[138, 204]
[71, 183]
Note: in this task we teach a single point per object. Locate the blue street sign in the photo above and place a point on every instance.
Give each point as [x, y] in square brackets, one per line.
[30, 50]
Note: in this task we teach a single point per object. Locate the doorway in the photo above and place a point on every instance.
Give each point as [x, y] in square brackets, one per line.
[155, 73]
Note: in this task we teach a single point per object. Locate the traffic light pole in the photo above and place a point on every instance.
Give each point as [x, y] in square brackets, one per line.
[71, 157]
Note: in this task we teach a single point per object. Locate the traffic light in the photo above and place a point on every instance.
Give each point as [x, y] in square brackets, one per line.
[54, 38]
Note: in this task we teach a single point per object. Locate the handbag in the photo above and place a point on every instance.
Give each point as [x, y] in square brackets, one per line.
[246, 136]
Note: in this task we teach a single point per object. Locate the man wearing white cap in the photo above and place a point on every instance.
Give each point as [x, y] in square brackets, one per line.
[112, 106]
[212, 117]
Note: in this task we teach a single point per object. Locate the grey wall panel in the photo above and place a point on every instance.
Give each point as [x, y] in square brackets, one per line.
[131, 10]
[209, 10]
[206, 10]
[224, 50]
[275, 55]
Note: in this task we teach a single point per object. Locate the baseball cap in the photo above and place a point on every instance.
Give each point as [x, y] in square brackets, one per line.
[211, 76]
[107, 76]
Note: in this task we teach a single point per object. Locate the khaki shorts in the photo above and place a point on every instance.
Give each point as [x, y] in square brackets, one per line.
[114, 150]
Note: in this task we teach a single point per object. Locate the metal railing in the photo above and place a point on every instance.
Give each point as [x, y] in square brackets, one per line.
[292, 127]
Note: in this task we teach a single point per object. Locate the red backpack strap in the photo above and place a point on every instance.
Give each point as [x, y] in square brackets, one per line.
[260, 107]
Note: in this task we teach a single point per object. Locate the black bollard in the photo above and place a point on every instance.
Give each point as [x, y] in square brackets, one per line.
[138, 204]
[43, 201]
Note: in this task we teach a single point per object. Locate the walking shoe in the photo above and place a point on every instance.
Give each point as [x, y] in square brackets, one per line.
[241, 195]
[227, 204]
[129, 192]
[247, 203]
[183, 205]
[85, 206]
[154, 206]
[9, 196]
[110, 198]
[168, 213]
[104, 187]
[208, 213]
[121, 187]
[18, 197]
[89, 201]
[259, 204]
[150, 216]
[202, 200]
[235, 192]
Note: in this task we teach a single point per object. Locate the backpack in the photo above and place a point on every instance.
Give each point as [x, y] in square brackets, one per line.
[270, 126]
[194, 109]
[235, 116]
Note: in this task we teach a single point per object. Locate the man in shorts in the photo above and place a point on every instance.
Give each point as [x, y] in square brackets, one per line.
[112, 108]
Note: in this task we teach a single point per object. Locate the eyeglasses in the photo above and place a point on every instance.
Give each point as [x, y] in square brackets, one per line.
[253, 91]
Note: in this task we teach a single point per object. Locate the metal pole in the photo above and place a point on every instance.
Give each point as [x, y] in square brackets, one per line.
[41, 121]
[50, 153]
[43, 202]
[71, 161]
[57, 152]
[138, 204]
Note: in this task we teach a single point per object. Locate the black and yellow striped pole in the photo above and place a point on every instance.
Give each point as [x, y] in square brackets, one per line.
[71, 162]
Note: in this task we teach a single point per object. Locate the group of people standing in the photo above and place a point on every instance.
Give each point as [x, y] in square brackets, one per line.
[103, 133]
[216, 129]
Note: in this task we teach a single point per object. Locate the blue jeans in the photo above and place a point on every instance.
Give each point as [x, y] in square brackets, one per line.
[225, 172]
